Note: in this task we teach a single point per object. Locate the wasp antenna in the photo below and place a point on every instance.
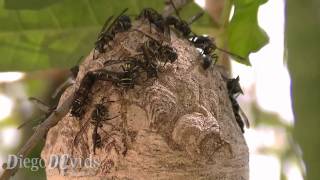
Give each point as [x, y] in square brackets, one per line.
[40, 104]
[29, 121]
[175, 9]
[116, 19]
[62, 87]
[23, 124]
[144, 33]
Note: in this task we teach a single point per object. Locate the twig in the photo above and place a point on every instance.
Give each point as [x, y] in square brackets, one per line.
[40, 132]
[168, 9]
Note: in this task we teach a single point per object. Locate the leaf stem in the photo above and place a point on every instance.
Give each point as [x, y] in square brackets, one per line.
[224, 60]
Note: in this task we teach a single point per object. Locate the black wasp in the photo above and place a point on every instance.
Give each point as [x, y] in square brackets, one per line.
[154, 18]
[208, 59]
[234, 89]
[99, 115]
[130, 67]
[178, 23]
[127, 78]
[157, 51]
[154, 50]
[153, 53]
[81, 96]
[120, 24]
[208, 46]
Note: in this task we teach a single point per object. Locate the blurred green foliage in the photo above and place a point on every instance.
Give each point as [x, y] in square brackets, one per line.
[54, 35]
[40, 34]
[303, 37]
[30, 4]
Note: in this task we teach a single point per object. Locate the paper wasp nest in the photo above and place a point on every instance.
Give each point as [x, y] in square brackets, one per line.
[177, 126]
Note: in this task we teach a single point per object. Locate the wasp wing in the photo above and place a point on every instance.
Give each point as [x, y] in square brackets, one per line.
[105, 25]
[244, 118]
[116, 19]
[40, 104]
[195, 17]
[29, 121]
[81, 131]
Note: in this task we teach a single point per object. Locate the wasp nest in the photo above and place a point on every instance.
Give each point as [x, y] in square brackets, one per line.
[140, 114]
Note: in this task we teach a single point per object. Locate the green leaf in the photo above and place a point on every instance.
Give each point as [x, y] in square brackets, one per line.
[46, 34]
[244, 34]
[55, 36]
[243, 3]
[30, 4]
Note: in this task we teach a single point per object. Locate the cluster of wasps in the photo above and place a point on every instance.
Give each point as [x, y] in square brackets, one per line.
[154, 54]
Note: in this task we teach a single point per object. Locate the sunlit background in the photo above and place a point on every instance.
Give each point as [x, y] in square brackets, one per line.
[273, 153]
[266, 101]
